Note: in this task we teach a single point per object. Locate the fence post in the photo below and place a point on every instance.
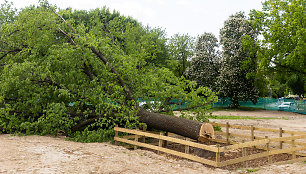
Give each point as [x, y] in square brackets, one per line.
[116, 135]
[281, 135]
[244, 156]
[144, 128]
[293, 146]
[268, 150]
[160, 142]
[166, 142]
[227, 133]
[252, 134]
[136, 139]
[218, 155]
[186, 146]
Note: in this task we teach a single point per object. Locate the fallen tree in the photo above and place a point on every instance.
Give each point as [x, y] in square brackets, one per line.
[188, 128]
[82, 72]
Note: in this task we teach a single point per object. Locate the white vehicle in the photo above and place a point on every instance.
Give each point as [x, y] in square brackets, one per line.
[287, 106]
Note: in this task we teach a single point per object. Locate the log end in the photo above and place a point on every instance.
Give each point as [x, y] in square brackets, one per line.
[207, 131]
[202, 139]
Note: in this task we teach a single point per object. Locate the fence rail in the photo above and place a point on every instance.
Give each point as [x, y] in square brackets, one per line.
[167, 138]
[258, 129]
[138, 140]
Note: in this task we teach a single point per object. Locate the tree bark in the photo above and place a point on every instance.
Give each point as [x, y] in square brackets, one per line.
[188, 128]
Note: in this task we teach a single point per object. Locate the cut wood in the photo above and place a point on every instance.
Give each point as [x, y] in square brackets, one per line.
[187, 128]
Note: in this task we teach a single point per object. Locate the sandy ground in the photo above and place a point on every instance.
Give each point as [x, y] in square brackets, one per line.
[288, 120]
[37, 154]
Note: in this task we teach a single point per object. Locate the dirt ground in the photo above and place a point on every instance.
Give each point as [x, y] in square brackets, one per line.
[37, 154]
[287, 120]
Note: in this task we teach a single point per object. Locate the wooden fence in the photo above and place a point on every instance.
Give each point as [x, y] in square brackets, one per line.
[137, 138]
[229, 137]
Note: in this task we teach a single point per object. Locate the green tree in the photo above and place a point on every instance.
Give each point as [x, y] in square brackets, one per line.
[181, 49]
[237, 79]
[283, 48]
[7, 13]
[205, 64]
[278, 88]
[82, 72]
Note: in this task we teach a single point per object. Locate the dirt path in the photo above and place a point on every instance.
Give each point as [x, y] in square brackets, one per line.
[287, 120]
[37, 154]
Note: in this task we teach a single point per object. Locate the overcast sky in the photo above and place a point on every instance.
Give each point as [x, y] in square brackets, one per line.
[174, 16]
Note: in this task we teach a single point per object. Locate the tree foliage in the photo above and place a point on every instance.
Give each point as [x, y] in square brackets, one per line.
[82, 72]
[205, 63]
[7, 13]
[283, 48]
[181, 49]
[237, 79]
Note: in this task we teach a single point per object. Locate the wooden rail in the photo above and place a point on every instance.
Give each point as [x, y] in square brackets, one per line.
[166, 138]
[258, 129]
[169, 151]
[165, 150]
[138, 140]
[251, 137]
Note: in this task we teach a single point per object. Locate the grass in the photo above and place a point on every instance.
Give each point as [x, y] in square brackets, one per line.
[251, 170]
[240, 117]
[241, 108]
[237, 117]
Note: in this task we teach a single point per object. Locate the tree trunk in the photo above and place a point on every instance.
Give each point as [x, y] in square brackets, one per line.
[187, 128]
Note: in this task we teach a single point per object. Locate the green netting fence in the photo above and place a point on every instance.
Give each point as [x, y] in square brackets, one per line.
[290, 105]
[283, 104]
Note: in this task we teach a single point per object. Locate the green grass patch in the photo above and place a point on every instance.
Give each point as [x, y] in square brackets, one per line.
[240, 117]
[241, 108]
[251, 170]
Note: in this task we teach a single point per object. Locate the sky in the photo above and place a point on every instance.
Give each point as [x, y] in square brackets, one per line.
[193, 17]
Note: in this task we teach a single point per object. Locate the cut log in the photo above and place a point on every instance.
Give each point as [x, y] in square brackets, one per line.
[187, 128]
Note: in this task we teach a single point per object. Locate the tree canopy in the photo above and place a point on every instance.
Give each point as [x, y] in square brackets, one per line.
[235, 80]
[7, 13]
[82, 72]
[205, 63]
[181, 49]
[282, 50]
